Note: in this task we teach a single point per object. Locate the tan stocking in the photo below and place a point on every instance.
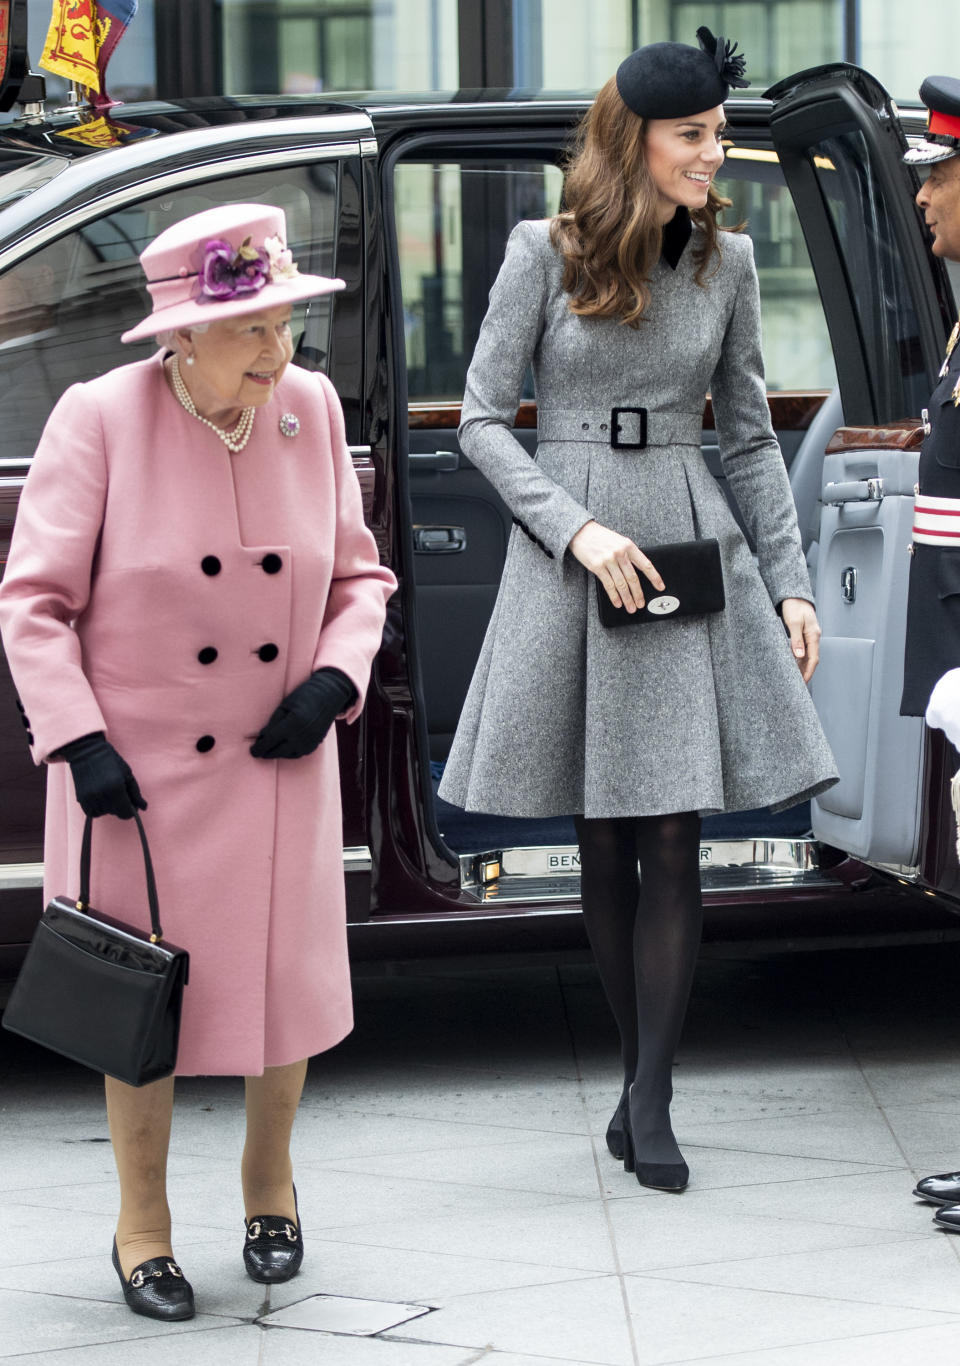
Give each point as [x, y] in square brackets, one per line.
[267, 1171]
[139, 1119]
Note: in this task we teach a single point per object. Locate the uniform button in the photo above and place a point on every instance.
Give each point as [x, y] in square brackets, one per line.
[271, 564]
[268, 653]
[210, 565]
[205, 743]
[207, 655]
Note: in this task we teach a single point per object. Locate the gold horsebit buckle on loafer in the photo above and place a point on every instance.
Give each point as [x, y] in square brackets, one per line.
[254, 1231]
[138, 1278]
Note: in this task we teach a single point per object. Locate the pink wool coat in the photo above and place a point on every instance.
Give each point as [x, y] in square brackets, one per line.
[140, 542]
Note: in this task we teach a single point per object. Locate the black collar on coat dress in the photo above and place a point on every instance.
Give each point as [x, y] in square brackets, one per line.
[676, 235]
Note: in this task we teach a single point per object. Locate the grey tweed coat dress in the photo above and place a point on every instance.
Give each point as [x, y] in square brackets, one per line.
[703, 713]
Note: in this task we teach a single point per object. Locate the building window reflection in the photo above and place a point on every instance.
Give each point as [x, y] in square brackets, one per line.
[295, 47]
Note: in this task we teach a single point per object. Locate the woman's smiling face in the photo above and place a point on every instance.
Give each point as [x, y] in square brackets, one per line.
[683, 156]
[239, 361]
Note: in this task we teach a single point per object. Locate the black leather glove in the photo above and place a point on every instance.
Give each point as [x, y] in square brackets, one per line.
[104, 783]
[304, 716]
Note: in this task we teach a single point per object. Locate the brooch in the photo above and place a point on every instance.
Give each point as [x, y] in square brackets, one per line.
[289, 424]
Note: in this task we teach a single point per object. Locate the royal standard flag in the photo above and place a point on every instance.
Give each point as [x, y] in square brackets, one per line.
[82, 37]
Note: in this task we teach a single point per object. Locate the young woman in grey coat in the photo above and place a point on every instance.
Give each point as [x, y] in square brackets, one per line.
[632, 298]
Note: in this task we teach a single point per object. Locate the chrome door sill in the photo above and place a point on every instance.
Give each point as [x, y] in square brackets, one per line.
[551, 873]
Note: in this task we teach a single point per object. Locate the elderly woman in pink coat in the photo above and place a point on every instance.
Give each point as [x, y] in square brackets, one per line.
[191, 599]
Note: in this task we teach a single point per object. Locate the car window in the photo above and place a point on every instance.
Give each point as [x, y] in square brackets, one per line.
[796, 343]
[453, 220]
[881, 295]
[62, 309]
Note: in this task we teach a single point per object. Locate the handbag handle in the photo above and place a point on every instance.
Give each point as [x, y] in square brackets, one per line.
[84, 902]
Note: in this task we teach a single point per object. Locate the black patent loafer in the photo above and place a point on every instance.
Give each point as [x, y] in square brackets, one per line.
[948, 1217]
[273, 1247]
[939, 1190]
[157, 1289]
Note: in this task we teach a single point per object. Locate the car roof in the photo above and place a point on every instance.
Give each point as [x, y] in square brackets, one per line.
[37, 148]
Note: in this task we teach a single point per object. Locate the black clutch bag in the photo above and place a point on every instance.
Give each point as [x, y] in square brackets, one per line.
[692, 576]
[99, 991]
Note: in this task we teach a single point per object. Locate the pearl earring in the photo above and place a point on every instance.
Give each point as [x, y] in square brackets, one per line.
[189, 360]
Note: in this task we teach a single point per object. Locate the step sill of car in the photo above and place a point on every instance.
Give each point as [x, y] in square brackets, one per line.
[552, 873]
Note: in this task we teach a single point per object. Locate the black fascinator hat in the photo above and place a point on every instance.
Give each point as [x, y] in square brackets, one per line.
[669, 80]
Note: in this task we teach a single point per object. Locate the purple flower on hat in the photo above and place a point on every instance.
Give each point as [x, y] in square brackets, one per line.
[226, 273]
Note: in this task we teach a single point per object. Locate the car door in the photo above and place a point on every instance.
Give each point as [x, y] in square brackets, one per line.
[70, 283]
[889, 308]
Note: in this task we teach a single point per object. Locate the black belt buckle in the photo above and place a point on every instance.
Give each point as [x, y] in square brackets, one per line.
[615, 441]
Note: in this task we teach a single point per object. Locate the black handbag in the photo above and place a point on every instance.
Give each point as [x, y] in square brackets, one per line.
[692, 575]
[99, 991]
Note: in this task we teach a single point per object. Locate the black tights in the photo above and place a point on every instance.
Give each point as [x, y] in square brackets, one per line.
[645, 940]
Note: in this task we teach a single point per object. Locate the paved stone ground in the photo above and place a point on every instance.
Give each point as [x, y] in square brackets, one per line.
[450, 1156]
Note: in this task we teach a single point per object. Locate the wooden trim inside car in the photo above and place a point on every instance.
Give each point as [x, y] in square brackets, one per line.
[894, 436]
[790, 411]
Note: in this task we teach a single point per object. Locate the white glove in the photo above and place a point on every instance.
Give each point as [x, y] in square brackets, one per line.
[943, 709]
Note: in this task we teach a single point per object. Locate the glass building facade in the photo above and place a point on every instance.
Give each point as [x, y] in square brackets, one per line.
[192, 47]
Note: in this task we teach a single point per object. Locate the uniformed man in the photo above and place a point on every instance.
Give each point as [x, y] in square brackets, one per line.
[933, 614]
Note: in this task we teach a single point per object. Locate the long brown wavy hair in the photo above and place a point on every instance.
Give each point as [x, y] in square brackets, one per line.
[609, 234]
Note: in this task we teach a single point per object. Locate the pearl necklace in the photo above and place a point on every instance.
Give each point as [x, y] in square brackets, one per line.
[235, 440]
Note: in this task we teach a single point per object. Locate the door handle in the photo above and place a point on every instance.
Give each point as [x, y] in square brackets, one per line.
[439, 540]
[854, 491]
[443, 462]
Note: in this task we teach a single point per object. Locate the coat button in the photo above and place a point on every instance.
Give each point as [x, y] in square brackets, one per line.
[271, 564]
[207, 655]
[584, 426]
[205, 743]
[210, 565]
[268, 653]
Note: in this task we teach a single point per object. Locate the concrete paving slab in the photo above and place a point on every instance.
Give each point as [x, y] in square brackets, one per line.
[897, 1348]
[585, 1318]
[335, 1132]
[676, 1232]
[33, 1323]
[879, 1199]
[549, 1164]
[292, 1347]
[852, 1135]
[573, 1234]
[695, 1322]
[548, 1103]
[915, 1274]
[435, 1277]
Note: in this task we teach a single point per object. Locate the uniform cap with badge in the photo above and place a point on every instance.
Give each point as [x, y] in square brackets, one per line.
[941, 95]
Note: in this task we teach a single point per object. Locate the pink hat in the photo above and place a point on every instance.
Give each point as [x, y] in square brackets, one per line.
[221, 263]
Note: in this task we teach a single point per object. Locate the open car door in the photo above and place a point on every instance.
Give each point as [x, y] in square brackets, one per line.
[889, 309]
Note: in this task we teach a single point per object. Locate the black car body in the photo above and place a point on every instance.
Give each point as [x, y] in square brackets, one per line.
[410, 202]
